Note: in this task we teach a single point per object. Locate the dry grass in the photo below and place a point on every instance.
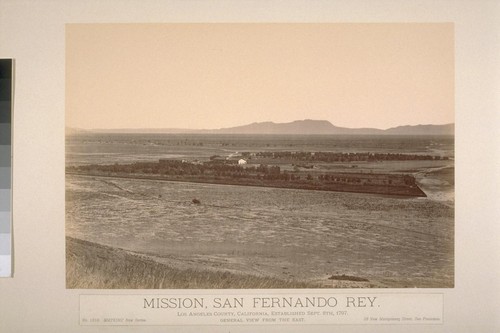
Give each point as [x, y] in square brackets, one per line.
[94, 266]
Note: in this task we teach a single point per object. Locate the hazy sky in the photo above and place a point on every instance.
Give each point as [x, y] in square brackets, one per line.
[223, 75]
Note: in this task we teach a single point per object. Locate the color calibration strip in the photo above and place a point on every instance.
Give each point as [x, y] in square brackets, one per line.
[6, 83]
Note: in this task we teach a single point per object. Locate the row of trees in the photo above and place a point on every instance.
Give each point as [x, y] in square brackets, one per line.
[344, 157]
[176, 167]
[209, 170]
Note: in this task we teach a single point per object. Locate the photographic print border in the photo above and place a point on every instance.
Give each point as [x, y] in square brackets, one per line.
[34, 35]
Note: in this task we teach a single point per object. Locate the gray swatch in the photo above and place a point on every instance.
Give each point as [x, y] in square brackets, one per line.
[4, 200]
[4, 244]
[5, 137]
[5, 157]
[5, 178]
[4, 222]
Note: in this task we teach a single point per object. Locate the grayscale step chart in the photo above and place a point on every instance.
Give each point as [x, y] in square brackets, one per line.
[5, 167]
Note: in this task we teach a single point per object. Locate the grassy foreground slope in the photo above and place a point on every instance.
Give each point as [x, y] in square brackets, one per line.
[94, 266]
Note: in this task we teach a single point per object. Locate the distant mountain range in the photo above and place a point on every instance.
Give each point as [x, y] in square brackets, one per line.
[304, 127]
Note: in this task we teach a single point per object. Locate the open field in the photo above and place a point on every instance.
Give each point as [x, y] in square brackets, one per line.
[390, 241]
[278, 234]
[127, 148]
[93, 266]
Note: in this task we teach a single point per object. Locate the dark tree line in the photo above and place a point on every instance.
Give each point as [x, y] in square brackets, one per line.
[177, 167]
[344, 157]
[211, 170]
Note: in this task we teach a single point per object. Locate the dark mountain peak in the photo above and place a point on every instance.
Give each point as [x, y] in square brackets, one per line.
[303, 127]
[312, 126]
[306, 126]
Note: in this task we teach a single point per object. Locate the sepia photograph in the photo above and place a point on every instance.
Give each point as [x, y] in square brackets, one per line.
[259, 155]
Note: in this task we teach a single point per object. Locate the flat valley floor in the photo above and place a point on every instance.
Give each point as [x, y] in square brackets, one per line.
[255, 237]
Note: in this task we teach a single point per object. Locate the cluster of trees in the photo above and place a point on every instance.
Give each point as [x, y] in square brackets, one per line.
[211, 170]
[179, 168]
[344, 157]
